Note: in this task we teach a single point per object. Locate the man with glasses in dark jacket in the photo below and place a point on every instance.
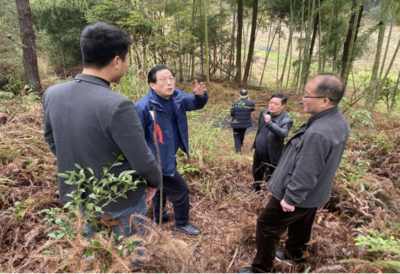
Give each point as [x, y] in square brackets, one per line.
[273, 127]
[170, 105]
[241, 118]
[304, 177]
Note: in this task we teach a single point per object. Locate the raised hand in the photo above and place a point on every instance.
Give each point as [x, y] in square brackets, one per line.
[199, 89]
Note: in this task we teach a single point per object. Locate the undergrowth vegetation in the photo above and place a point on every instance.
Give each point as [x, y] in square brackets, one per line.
[357, 231]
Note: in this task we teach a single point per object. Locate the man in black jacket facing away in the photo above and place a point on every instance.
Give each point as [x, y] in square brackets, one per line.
[273, 127]
[241, 118]
[85, 122]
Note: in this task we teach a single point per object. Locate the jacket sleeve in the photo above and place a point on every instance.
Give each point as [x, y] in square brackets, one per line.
[193, 102]
[126, 130]
[310, 163]
[47, 128]
[280, 131]
[253, 106]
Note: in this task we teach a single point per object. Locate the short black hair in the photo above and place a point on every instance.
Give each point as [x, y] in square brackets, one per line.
[281, 96]
[151, 77]
[101, 42]
[243, 92]
[331, 86]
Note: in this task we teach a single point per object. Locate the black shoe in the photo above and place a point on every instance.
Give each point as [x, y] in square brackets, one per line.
[165, 218]
[238, 151]
[245, 270]
[256, 187]
[188, 229]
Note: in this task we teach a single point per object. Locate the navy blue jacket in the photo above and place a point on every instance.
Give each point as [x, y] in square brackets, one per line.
[241, 113]
[182, 103]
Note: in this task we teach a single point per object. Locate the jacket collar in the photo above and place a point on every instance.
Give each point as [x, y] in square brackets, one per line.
[176, 96]
[321, 114]
[91, 79]
[276, 118]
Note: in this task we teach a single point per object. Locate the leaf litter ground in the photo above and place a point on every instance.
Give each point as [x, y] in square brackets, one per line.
[222, 206]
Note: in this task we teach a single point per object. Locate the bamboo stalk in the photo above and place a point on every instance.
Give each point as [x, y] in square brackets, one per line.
[268, 51]
[351, 47]
[387, 44]
[231, 56]
[328, 39]
[288, 46]
[206, 34]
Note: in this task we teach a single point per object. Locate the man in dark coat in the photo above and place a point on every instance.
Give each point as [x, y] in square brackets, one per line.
[170, 105]
[273, 127]
[241, 118]
[86, 122]
[304, 177]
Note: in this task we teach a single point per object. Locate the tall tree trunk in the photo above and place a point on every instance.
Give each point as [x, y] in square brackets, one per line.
[252, 41]
[193, 47]
[28, 40]
[288, 46]
[180, 54]
[319, 38]
[201, 46]
[269, 46]
[394, 93]
[372, 89]
[387, 44]
[349, 60]
[239, 42]
[206, 37]
[310, 54]
[231, 56]
[392, 61]
[328, 39]
[352, 24]
[296, 77]
[222, 46]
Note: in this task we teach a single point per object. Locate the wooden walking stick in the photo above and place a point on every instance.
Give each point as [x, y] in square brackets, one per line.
[159, 163]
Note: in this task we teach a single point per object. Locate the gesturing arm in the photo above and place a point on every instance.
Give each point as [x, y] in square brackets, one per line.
[281, 131]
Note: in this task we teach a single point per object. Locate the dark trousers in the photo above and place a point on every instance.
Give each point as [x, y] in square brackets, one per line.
[271, 225]
[262, 166]
[238, 136]
[177, 189]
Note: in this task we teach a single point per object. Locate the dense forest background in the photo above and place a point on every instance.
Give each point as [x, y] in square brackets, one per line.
[266, 46]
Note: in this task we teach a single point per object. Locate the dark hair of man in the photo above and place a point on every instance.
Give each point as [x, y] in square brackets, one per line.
[101, 42]
[151, 77]
[281, 96]
[243, 92]
[330, 86]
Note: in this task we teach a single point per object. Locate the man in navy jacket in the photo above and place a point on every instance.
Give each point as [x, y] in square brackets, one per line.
[170, 105]
[241, 118]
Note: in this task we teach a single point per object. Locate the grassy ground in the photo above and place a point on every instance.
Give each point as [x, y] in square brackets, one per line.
[365, 198]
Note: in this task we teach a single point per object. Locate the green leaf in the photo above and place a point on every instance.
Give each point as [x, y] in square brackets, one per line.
[124, 196]
[89, 252]
[95, 243]
[89, 206]
[98, 209]
[63, 175]
[93, 196]
[115, 154]
[120, 253]
[106, 268]
[117, 164]
[47, 252]
[90, 170]
[59, 236]
[78, 166]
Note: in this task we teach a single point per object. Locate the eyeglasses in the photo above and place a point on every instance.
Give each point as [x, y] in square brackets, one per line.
[306, 96]
[164, 80]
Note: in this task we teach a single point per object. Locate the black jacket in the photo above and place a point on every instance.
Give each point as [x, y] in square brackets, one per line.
[85, 122]
[278, 130]
[241, 113]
